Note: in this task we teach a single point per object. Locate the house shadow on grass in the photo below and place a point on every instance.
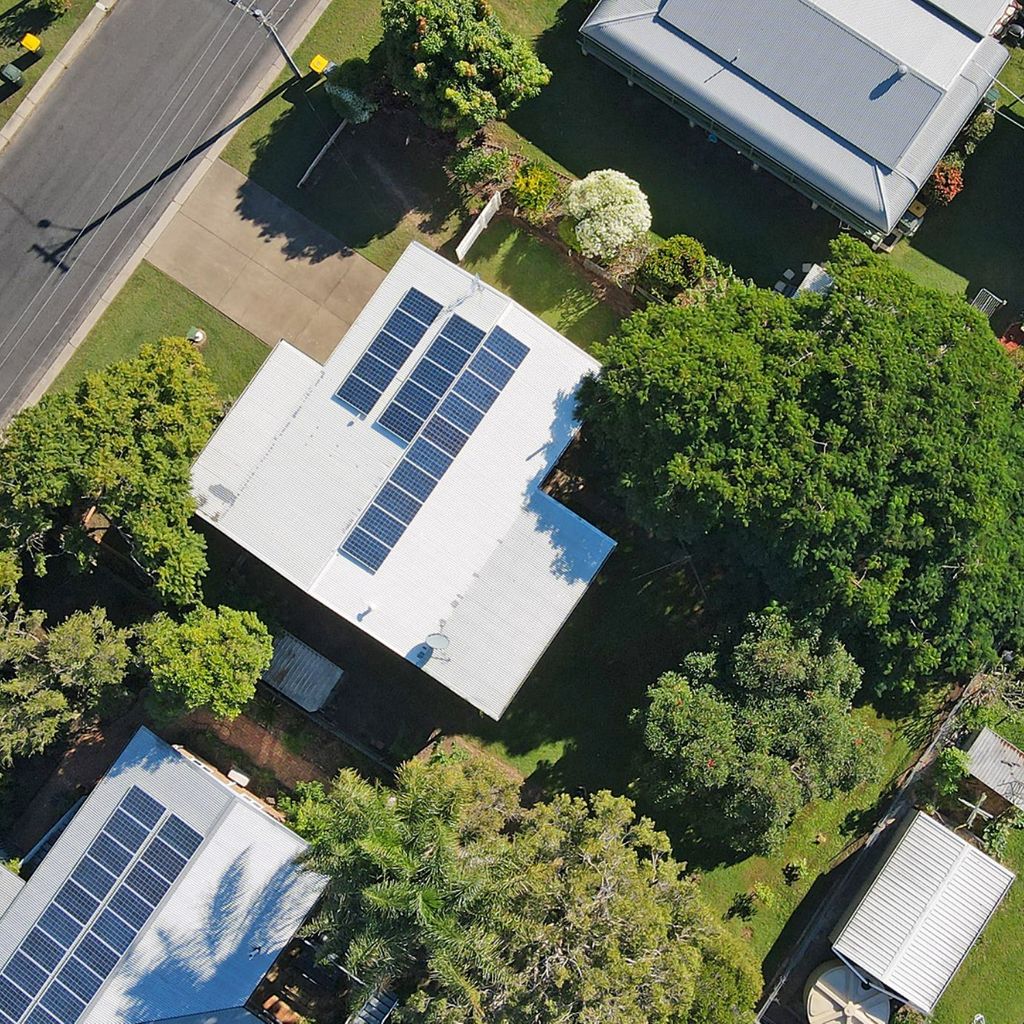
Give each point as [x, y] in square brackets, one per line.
[588, 117]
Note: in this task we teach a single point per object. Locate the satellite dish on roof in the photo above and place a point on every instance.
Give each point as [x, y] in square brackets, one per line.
[835, 995]
[437, 642]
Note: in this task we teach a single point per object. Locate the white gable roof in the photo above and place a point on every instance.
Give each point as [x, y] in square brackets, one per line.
[923, 911]
[489, 561]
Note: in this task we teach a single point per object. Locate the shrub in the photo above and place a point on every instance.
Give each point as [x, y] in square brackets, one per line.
[56, 7]
[677, 263]
[348, 104]
[764, 894]
[795, 870]
[609, 210]
[947, 180]
[480, 166]
[951, 768]
[997, 832]
[533, 189]
[978, 129]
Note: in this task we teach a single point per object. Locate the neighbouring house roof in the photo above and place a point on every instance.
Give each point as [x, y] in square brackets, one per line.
[301, 674]
[400, 483]
[922, 911]
[860, 111]
[168, 896]
[998, 765]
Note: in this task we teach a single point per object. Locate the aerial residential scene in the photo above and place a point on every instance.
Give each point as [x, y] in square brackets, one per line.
[509, 512]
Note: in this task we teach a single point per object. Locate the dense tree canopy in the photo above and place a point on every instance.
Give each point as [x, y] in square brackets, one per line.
[864, 451]
[474, 909]
[121, 443]
[211, 659]
[757, 732]
[457, 62]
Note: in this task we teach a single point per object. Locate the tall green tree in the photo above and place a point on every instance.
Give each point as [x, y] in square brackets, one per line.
[863, 451]
[446, 890]
[457, 62]
[757, 731]
[210, 659]
[120, 444]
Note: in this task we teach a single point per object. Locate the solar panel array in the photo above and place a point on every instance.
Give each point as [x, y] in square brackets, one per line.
[96, 914]
[389, 350]
[460, 402]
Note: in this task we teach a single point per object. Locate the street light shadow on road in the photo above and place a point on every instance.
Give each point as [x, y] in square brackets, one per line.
[56, 255]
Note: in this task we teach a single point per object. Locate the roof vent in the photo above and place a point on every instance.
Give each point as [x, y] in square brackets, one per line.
[902, 70]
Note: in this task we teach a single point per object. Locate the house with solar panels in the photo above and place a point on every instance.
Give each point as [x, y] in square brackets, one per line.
[851, 103]
[167, 897]
[400, 483]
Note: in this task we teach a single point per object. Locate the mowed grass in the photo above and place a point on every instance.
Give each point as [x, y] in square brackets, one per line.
[20, 16]
[152, 306]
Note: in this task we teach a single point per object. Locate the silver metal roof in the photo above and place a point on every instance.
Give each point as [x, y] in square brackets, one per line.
[214, 934]
[301, 674]
[861, 110]
[998, 765]
[10, 885]
[489, 561]
[236, 1015]
[980, 16]
[923, 911]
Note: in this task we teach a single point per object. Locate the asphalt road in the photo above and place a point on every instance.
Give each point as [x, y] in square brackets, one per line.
[104, 153]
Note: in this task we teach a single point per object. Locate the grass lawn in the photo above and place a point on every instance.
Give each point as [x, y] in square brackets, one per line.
[152, 306]
[20, 16]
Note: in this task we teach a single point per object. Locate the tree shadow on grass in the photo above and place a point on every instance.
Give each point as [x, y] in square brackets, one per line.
[589, 117]
[26, 16]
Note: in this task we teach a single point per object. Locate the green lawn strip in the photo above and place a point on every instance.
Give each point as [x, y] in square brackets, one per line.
[1013, 76]
[990, 980]
[20, 16]
[151, 306]
[926, 271]
[838, 821]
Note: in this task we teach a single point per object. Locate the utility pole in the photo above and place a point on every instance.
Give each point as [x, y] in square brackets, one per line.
[258, 14]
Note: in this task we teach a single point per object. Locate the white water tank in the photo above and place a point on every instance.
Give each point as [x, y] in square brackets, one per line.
[835, 995]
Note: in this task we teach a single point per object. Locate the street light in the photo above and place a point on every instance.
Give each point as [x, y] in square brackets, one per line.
[258, 14]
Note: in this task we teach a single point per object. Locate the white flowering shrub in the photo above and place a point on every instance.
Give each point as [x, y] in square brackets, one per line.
[349, 104]
[610, 211]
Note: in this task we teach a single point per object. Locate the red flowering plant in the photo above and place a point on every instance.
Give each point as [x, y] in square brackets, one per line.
[947, 180]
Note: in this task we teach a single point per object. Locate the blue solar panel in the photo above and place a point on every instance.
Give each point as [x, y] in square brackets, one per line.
[100, 957]
[42, 949]
[25, 974]
[160, 857]
[390, 350]
[76, 901]
[374, 372]
[142, 807]
[114, 932]
[113, 856]
[420, 306]
[413, 480]
[502, 344]
[364, 549]
[181, 837]
[463, 333]
[79, 979]
[400, 422]
[13, 1001]
[382, 526]
[429, 458]
[358, 394]
[461, 413]
[130, 907]
[41, 1016]
[450, 356]
[127, 831]
[61, 927]
[433, 377]
[64, 1005]
[93, 879]
[492, 369]
[475, 390]
[404, 328]
[147, 883]
[416, 399]
[397, 503]
[444, 435]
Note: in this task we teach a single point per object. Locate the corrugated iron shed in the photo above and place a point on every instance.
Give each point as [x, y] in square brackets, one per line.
[998, 765]
[923, 910]
[489, 566]
[301, 674]
[852, 103]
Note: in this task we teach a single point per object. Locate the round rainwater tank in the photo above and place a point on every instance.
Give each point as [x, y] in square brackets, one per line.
[835, 995]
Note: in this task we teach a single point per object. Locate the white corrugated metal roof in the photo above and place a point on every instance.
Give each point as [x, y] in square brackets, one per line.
[10, 885]
[215, 933]
[980, 16]
[835, 110]
[999, 765]
[923, 911]
[301, 674]
[290, 471]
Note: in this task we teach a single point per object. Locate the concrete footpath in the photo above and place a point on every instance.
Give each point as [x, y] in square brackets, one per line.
[263, 265]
